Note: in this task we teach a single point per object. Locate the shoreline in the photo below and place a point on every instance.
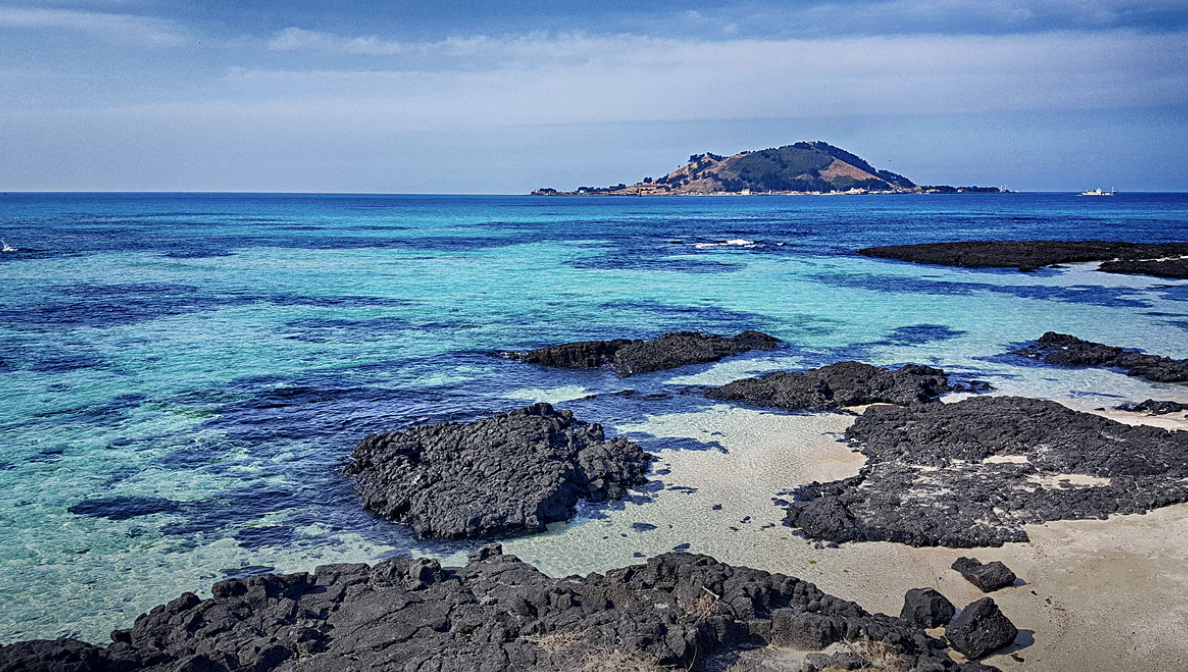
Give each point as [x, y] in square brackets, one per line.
[1092, 594]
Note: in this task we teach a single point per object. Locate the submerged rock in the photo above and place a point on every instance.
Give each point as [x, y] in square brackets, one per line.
[497, 613]
[987, 577]
[837, 386]
[972, 473]
[1065, 350]
[510, 474]
[981, 628]
[1150, 259]
[630, 358]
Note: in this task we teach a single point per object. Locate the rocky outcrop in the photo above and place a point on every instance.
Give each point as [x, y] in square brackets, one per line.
[972, 473]
[497, 613]
[1150, 259]
[511, 474]
[837, 386]
[1159, 268]
[580, 355]
[987, 577]
[1065, 350]
[926, 608]
[980, 628]
[1153, 407]
[630, 358]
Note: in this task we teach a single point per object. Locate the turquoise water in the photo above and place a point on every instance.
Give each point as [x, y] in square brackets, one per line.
[180, 375]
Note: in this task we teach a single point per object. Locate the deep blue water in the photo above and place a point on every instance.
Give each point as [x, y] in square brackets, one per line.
[180, 375]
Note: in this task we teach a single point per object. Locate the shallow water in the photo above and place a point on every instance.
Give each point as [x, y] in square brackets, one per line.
[180, 375]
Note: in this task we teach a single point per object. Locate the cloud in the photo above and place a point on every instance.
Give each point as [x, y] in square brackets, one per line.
[822, 18]
[119, 28]
[542, 79]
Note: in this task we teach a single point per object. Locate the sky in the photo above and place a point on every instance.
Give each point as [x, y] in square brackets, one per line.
[467, 96]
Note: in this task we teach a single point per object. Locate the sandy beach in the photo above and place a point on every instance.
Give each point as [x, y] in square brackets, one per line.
[1091, 595]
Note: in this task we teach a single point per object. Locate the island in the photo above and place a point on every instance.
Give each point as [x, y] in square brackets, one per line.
[812, 167]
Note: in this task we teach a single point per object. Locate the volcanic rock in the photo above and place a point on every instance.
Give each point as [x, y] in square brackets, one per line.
[1149, 259]
[1159, 268]
[1153, 407]
[980, 628]
[926, 608]
[510, 474]
[1065, 350]
[836, 386]
[580, 355]
[989, 577]
[972, 473]
[498, 613]
[630, 358]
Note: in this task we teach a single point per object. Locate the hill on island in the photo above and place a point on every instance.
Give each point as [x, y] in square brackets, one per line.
[805, 167]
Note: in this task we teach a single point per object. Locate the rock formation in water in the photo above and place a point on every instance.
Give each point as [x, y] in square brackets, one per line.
[1064, 350]
[972, 473]
[837, 386]
[1162, 259]
[677, 611]
[510, 474]
[630, 358]
[1153, 407]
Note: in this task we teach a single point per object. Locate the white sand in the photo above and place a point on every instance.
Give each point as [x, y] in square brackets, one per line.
[1098, 595]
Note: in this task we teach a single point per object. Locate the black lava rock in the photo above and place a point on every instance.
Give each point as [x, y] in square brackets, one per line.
[1153, 407]
[836, 386]
[630, 358]
[1064, 350]
[497, 613]
[1120, 257]
[980, 628]
[928, 481]
[581, 355]
[926, 608]
[988, 577]
[511, 474]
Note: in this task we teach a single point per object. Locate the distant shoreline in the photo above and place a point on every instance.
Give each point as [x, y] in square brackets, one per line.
[856, 192]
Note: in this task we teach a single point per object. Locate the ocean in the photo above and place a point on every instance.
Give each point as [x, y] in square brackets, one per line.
[182, 375]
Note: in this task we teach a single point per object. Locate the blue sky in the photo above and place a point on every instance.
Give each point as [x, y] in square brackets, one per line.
[456, 96]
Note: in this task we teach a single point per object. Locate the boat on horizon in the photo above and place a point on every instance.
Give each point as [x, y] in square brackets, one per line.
[1099, 192]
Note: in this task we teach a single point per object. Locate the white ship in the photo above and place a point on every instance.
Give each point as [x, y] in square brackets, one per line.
[1098, 192]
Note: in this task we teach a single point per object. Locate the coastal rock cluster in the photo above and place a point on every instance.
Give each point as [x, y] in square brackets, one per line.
[510, 474]
[1153, 407]
[972, 473]
[837, 386]
[630, 358]
[1065, 350]
[498, 613]
[1161, 260]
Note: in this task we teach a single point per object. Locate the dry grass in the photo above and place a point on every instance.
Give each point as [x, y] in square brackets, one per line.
[619, 662]
[698, 609]
[555, 641]
[878, 654]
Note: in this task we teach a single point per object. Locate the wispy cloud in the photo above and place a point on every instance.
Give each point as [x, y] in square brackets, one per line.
[119, 28]
[576, 78]
[821, 18]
